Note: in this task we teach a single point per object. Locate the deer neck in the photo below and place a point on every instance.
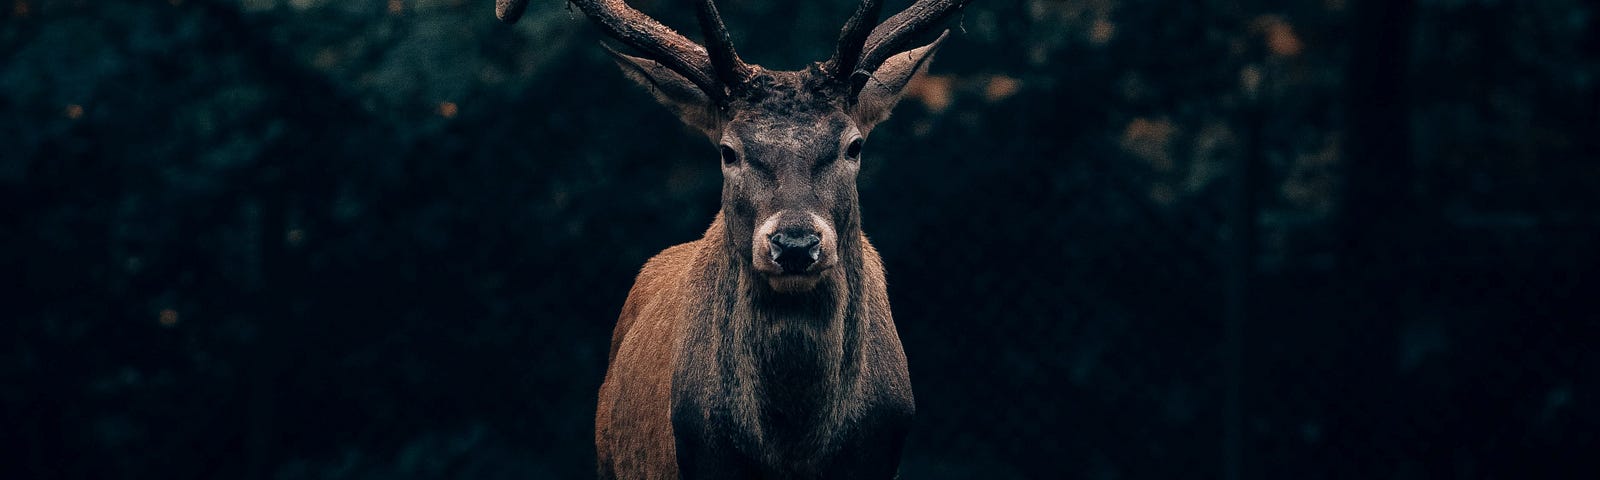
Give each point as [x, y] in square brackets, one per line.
[798, 354]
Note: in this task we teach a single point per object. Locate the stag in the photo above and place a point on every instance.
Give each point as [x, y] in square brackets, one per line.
[766, 348]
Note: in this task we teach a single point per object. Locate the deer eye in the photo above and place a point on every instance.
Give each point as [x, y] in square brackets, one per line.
[729, 157]
[853, 151]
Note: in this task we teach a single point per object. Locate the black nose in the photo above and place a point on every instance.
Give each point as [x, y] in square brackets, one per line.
[795, 250]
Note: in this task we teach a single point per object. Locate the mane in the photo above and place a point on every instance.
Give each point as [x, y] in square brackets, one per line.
[798, 92]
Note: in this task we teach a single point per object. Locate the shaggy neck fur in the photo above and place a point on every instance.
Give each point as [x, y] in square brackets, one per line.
[798, 355]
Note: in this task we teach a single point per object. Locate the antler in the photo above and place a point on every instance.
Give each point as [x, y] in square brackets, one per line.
[509, 10]
[712, 71]
[852, 38]
[863, 43]
[890, 37]
[730, 69]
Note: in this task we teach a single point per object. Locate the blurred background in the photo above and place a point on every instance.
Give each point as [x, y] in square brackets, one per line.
[388, 239]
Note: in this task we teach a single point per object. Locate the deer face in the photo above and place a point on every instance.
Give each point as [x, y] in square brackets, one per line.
[790, 146]
[789, 164]
[790, 142]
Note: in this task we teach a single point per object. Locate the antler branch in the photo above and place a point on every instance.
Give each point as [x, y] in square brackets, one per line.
[658, 42]
[719, 43]
[852, 38]
[889, 38]
[509, 10]
[711, 71]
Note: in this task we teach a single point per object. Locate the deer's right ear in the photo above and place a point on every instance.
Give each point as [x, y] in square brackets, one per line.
[674, 91]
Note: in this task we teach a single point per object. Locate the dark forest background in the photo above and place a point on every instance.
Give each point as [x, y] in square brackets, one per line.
[387, 239]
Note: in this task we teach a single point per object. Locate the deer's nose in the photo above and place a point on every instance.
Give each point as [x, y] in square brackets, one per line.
[795, 250]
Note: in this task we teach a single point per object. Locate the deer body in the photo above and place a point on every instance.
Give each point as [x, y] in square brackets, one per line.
[766, 348]
[709, 376]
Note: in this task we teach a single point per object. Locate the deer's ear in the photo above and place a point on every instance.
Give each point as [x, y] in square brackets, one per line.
[885, 86]
[674, 91]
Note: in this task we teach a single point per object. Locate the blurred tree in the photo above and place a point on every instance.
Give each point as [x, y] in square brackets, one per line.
[387, 238]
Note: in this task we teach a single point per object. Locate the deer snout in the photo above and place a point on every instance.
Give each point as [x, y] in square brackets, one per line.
[792, 250]
[795, 250]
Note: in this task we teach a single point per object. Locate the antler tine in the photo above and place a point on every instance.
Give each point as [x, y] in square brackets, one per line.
[888, 38]
[656, 41]
[509, 10]
[730, 69]
[852, 38]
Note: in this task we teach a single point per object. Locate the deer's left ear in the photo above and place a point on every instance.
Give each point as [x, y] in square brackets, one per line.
[885, 86]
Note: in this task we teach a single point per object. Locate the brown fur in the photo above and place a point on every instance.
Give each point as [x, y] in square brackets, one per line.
[633, 429]
[663, 324]
[732, 357]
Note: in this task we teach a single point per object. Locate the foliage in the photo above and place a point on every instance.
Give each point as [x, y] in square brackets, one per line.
[387, 239]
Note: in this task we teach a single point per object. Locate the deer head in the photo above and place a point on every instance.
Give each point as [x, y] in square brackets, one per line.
[790, 142]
